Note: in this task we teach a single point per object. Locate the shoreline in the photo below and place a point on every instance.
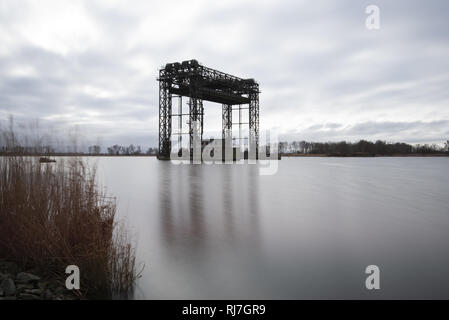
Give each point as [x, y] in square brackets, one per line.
[418, 155]
[73, 155]
[61, 218]
[286, 155]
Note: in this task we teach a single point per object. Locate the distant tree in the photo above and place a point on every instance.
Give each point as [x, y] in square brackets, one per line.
[151, 151]
[295, 146]
[48, 149]
[123, 150]
[362, 147]
[283, 147]
[342, 147]
[95, 149]
[380, 147]
[114, 150]
[302, 147]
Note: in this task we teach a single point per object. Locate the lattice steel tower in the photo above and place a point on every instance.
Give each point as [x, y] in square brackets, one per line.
[198, 83]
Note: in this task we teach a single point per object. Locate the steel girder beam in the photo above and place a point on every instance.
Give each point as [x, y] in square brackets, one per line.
[180, 73]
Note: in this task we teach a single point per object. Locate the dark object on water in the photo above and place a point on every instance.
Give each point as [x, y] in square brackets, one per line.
[46, 160]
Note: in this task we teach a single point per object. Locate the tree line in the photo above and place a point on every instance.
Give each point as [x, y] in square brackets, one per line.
[362, 147]
[91, 150]
[123, 150]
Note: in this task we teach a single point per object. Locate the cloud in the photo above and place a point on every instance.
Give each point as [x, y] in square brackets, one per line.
[93, 64]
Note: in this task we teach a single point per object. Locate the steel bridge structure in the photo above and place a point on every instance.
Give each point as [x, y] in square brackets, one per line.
[196, 82]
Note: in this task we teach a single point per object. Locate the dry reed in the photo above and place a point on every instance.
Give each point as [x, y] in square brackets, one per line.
[54, 215]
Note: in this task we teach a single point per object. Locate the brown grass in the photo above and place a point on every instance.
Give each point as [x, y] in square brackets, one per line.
[53, 215]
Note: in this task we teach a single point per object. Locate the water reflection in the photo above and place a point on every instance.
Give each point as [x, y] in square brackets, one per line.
[193, 184]
[165, 204]
[198, 203]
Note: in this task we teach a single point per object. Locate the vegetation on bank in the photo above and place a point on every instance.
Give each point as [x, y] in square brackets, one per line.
[361, 148]
[54, 214]
[92, 151]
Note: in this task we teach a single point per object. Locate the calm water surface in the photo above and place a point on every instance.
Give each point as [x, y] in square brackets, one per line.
[309, 231]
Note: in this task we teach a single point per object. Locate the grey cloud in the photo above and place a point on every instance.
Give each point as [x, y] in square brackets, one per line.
[315, 62]
[411, 132]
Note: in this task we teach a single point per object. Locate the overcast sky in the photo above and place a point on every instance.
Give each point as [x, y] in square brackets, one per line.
[90, 66]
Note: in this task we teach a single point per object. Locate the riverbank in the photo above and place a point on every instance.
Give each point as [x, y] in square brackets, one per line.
[365, 155]
[2, 154]
[53, 215]
[312, 155]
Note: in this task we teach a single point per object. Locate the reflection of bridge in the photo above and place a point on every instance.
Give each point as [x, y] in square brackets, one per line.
[190, 79]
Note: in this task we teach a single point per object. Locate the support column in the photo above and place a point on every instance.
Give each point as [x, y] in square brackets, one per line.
[180, 125]
[226, 118]
[196, 112]
[253, 123]
[164, 121]
[241, 141]
[226, 129]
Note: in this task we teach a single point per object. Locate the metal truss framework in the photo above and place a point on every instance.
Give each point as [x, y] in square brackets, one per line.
[198, 83]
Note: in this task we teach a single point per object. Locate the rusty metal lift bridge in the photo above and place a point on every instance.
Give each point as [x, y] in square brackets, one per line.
[196, 82]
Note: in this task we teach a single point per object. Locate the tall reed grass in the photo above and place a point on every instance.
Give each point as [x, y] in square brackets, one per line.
[54, 215]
